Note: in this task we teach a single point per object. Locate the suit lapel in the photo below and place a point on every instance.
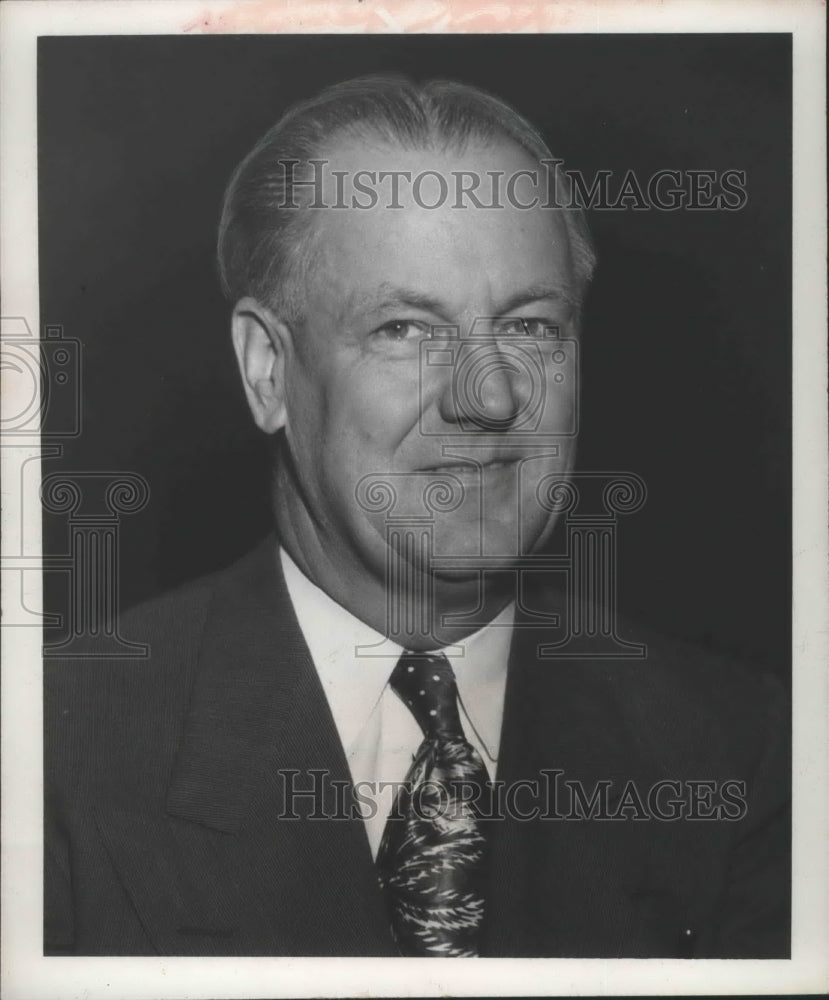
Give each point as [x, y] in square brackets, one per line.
[562, 886]
[248, 869]
[252, 660]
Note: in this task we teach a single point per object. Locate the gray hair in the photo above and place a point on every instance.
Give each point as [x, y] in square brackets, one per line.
[263, 249]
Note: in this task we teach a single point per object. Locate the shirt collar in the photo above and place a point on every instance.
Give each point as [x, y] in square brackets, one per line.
[337, 641]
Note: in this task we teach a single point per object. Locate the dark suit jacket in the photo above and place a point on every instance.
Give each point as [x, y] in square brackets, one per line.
[165, 786]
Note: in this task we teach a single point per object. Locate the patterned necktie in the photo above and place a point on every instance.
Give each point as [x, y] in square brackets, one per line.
[431, 858]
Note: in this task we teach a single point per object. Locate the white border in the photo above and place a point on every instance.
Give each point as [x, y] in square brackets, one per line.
[25, 973]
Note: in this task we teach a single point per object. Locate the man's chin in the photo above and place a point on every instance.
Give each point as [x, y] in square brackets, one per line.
[494, 541]
[456, 576]
[453, 552]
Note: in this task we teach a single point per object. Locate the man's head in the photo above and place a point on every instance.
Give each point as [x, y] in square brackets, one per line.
[404, 325]
[262, 245]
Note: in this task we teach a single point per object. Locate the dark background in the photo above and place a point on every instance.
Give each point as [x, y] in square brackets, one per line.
[687, 336]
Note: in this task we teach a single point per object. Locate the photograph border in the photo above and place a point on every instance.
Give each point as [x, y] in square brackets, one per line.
[25, 972]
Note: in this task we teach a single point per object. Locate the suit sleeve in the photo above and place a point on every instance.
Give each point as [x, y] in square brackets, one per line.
[756, 907]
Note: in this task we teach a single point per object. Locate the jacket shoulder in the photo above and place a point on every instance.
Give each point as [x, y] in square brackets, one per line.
[103, 715]
[676, 703]
[704, 703]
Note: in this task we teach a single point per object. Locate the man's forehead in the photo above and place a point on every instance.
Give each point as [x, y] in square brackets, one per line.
[493, 175]
[493, 191]
[378, 242]
[361, 290]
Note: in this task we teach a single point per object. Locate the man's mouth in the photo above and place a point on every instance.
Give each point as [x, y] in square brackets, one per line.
[470, 468]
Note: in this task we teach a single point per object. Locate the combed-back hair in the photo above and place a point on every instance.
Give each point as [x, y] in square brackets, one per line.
[263, 244]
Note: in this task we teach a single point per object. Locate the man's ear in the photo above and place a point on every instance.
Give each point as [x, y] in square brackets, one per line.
[261, 342]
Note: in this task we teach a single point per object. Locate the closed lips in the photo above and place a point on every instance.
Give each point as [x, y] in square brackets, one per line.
[469, 467]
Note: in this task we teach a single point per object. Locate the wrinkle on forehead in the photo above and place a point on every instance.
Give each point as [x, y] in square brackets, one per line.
[422, 248]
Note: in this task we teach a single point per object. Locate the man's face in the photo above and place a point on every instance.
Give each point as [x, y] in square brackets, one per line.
[369, 402]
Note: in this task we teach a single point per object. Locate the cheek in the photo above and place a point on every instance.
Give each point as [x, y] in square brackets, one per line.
[348, 420]
[307, 412]
[372, 409]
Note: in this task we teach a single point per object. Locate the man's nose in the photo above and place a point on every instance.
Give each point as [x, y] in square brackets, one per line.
[484, 390]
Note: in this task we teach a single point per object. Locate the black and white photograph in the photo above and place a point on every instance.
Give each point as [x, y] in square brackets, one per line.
[404, 494]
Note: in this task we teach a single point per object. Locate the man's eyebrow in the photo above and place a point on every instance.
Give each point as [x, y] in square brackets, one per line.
[394, 295]
[534, 293]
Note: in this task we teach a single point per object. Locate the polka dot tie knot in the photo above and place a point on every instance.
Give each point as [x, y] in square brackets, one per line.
[426, 683]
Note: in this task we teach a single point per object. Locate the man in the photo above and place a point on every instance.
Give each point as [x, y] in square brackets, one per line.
[378, 734]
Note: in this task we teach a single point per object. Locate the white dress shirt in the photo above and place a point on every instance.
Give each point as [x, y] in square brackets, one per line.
[378, 732]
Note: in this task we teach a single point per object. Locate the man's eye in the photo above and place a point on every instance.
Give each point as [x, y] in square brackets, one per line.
[403, 329]
[525, 327]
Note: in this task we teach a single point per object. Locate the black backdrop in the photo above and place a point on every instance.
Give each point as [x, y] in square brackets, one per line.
[687, 342]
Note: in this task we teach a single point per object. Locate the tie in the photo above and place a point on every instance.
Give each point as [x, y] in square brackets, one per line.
[431, 858]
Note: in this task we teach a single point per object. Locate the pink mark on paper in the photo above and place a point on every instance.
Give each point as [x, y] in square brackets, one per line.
[394, 16]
